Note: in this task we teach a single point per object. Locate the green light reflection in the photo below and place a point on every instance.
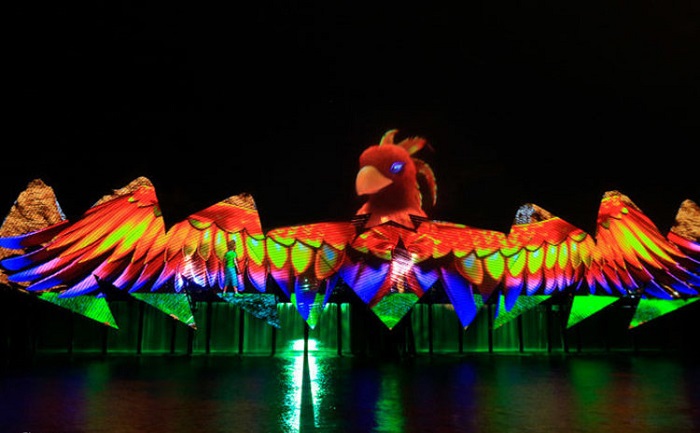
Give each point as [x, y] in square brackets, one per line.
[389, 410]
[302, 378]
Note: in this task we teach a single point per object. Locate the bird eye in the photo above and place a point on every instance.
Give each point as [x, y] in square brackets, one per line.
[397, 167]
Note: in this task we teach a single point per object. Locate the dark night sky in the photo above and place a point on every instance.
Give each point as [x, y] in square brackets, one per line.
[545, 102]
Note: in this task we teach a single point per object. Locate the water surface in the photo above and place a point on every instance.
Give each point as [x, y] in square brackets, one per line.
[323, 392]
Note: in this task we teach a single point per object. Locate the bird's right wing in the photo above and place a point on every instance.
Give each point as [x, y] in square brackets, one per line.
[391, 267]
[111, 239]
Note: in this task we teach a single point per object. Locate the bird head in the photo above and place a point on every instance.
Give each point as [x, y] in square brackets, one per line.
[389, 176]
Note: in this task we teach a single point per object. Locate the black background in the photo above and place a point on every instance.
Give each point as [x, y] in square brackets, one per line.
[546, 102]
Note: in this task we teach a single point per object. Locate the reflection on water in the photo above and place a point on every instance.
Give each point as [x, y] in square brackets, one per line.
[315, 391]
[304, 393]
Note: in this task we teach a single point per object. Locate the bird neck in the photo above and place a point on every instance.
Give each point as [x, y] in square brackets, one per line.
[397, 205]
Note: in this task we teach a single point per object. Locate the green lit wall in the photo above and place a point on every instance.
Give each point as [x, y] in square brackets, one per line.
[32, 327]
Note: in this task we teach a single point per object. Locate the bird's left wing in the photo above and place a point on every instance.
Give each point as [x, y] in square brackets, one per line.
[121, 243]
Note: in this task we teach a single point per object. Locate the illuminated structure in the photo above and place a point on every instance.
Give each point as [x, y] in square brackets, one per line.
[389, 256]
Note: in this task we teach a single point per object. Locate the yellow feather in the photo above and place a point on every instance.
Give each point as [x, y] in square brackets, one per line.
[301, 257]
[277, 253]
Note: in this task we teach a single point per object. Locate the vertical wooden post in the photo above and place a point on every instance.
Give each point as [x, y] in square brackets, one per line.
[273, 342]
[430, 327]
[548, 322]
[339, 328]
[490, 317]
[521, 343]
[209, 330]
[562, 327]
[105, 337]
[190, 340]
[71, 332]
[173, 335]
[241, 330]
[139, 336]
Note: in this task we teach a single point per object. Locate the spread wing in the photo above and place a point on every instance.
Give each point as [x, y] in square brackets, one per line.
[633, 258]
[121, 243]
[391, 267]
[109, 239]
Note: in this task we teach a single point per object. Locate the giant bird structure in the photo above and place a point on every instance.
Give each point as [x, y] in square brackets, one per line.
[389, 255]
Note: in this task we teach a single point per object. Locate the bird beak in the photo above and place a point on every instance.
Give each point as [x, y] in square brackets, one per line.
[369, 181]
